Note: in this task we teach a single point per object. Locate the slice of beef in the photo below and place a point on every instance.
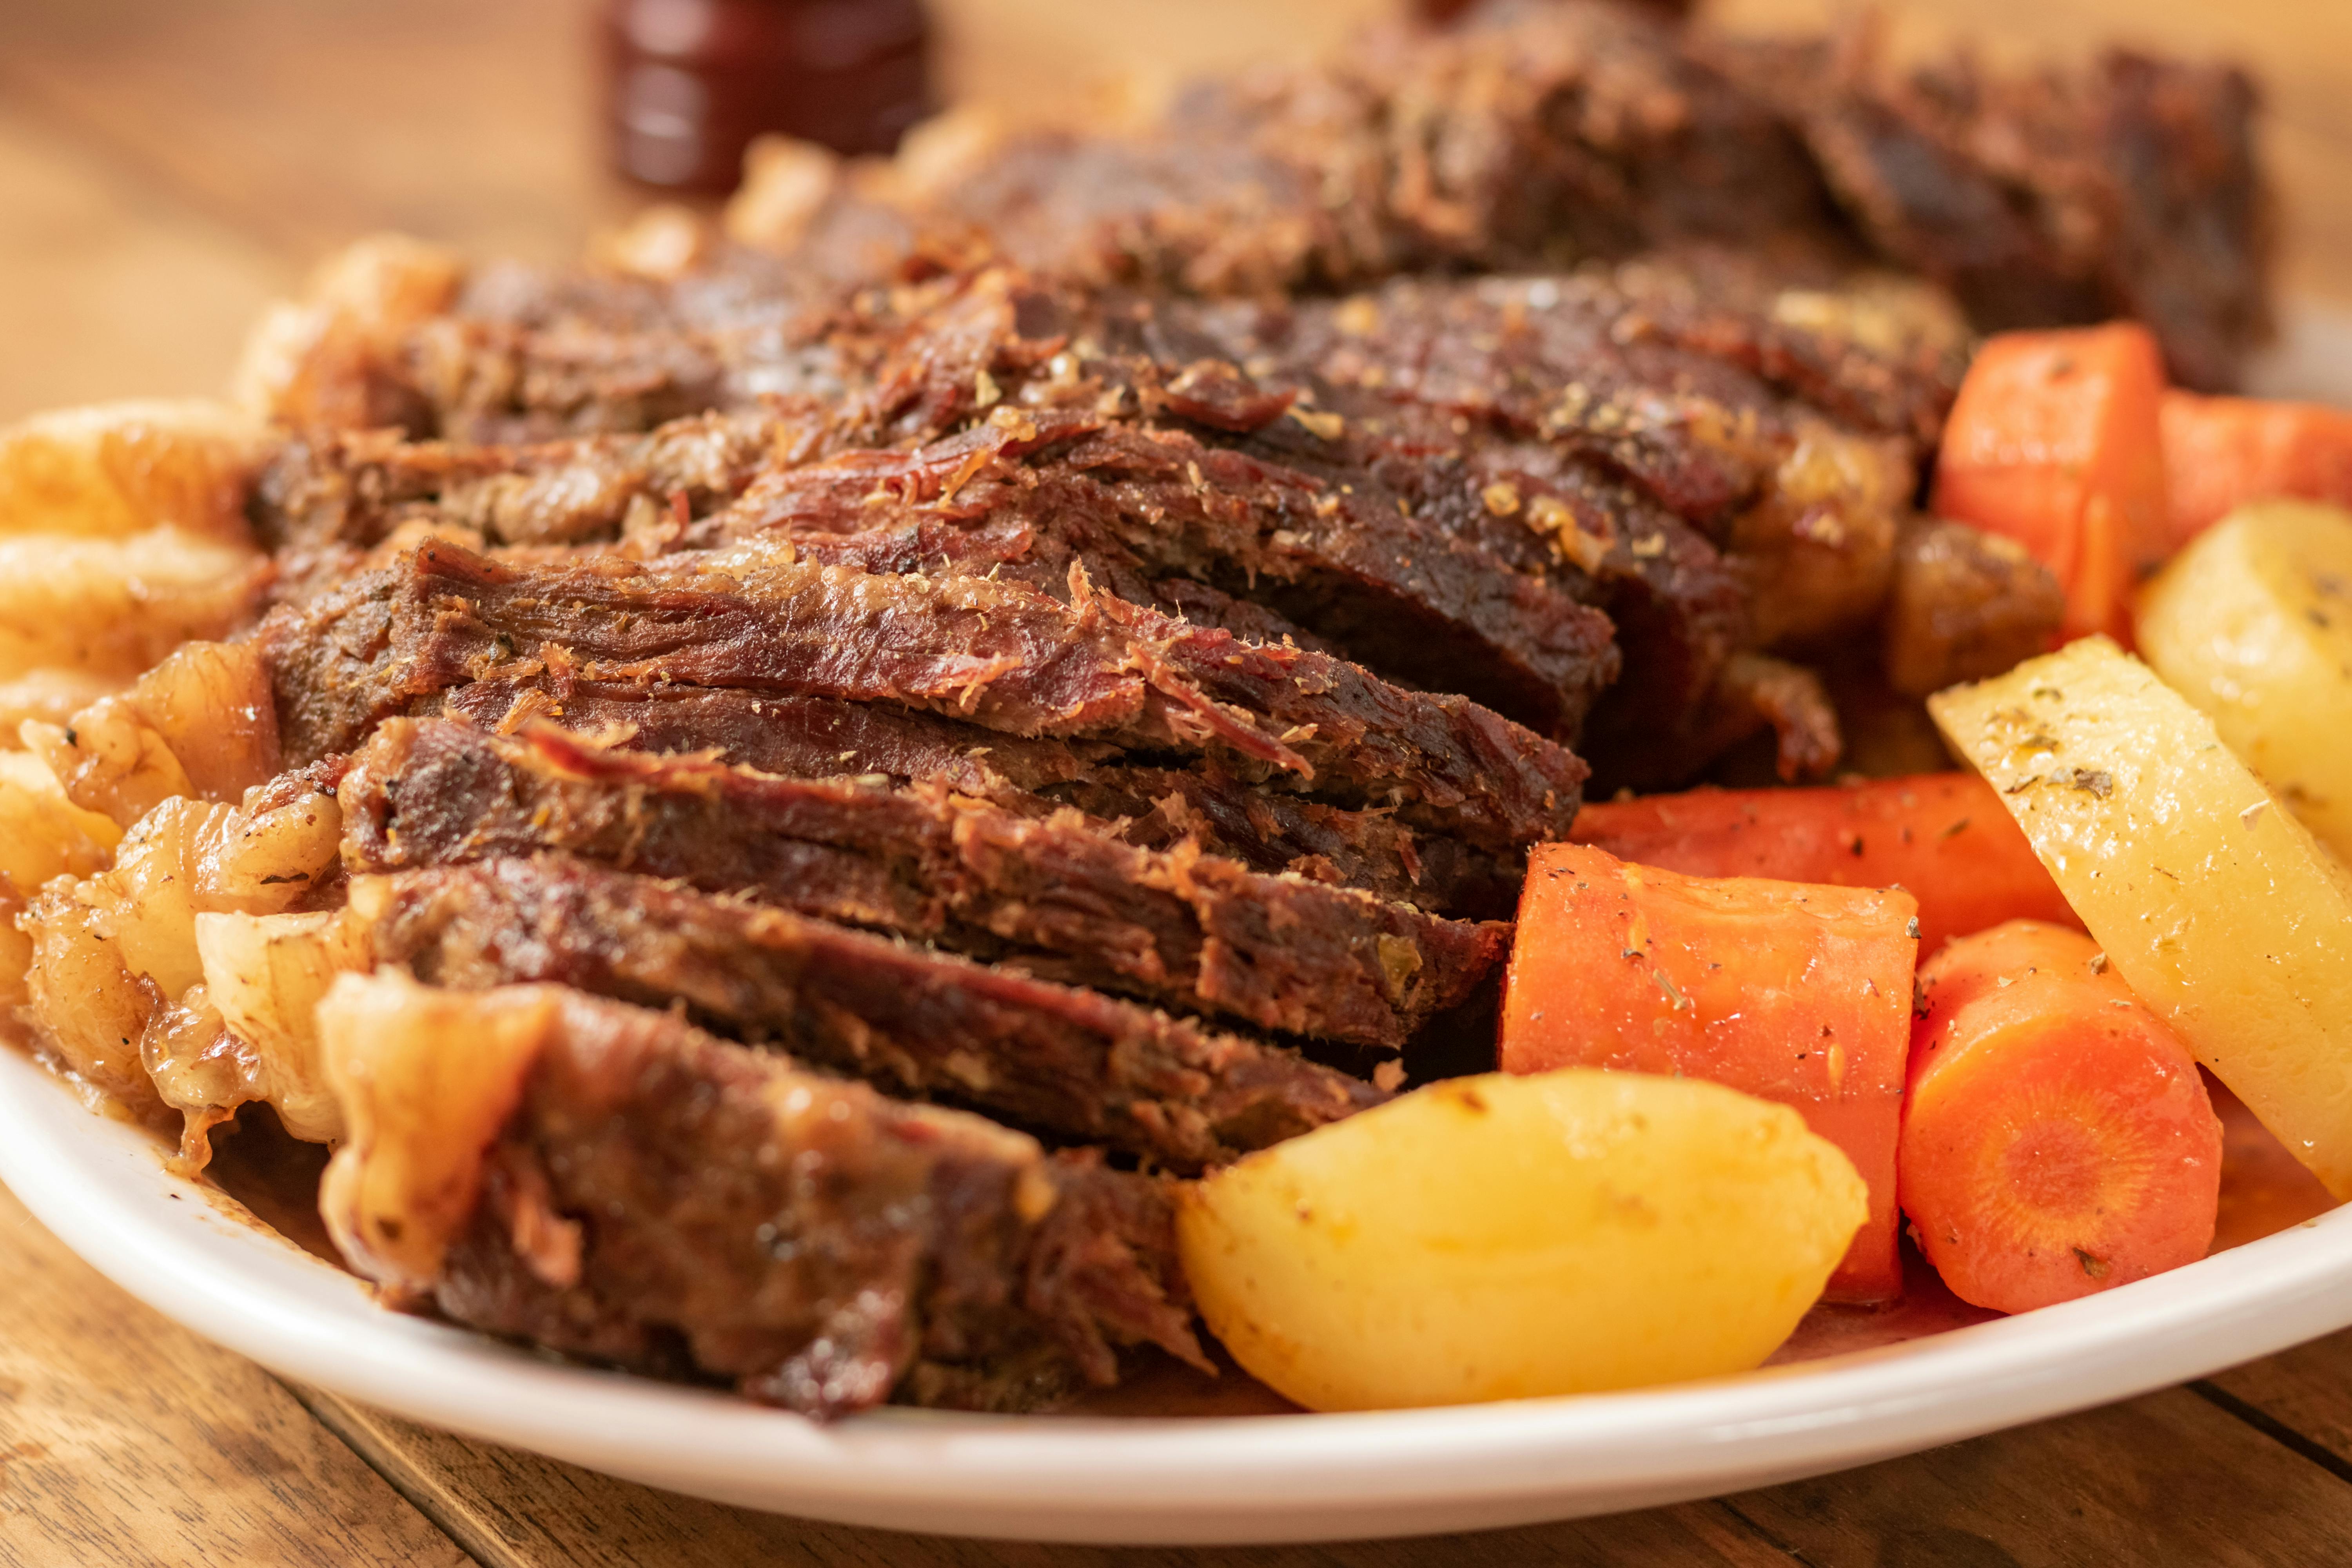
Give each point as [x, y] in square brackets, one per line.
[1339, 553]
[799, 737]
[528, 354]
[660, 1199]
[1000, 655]
[359, 487]
[1152, 808]
[1058, 896]
[1417, 368]
[1165, 808]
[1071, 1064]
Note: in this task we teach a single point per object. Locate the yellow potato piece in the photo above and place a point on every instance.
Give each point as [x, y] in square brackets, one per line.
[2253, 623]
[1500, 1237]
[2218, 908]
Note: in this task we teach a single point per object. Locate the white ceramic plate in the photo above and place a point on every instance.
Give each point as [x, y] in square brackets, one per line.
[102, 1186]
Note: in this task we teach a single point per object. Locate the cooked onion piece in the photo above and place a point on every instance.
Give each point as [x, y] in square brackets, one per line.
[264, 973]
[113, 951]
[2220, 910]
[421, 1116]
[124, 469]
[116, 607]
[1499, 1238]
[2253, 623]
[202, 724]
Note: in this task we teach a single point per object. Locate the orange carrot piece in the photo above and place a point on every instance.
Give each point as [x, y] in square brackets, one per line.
[1944, 838]
[2221, 452]
[2054, 442]
[1789, 992]
[2057, 1140]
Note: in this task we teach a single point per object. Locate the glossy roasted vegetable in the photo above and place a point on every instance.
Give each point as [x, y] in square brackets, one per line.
[2057, 1140]
[1797, 993]
[2219, 909]
[1500, 1237]
[2053, 442]
[2221, 453]
[2253, 623]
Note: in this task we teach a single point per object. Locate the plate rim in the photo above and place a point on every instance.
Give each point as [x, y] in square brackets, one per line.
[103, 1188]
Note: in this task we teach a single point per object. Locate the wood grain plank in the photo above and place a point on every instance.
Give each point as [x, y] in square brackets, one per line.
[1057, 56]
[110, 286]
[2168, 1479]
[517, 1510]
[126, 1441]
[2307, 1389]
[306, 125]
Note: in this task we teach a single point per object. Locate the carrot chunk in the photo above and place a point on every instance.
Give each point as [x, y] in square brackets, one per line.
[2054, 441]
[1944, 838]
[2057, 1140]
[2221, 452]
[1793, 992]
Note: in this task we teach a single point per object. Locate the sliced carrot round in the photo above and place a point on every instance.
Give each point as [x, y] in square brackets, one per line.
[2057, 1139]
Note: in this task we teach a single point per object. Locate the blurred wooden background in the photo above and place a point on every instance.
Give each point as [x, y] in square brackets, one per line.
[167, 167]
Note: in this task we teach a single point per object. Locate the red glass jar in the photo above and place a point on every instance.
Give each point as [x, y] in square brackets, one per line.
[690, 82]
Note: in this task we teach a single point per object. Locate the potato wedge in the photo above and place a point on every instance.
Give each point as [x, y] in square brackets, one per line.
[1499, 1237]
[2253, 623]
[123, 469]
[2220, 910]
[116, 607]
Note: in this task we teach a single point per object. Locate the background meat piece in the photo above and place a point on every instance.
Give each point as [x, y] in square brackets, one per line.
[2129, 187]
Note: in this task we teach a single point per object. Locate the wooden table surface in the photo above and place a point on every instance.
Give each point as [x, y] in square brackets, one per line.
[166, 168]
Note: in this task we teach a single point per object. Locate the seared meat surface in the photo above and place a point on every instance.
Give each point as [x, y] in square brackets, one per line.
[1000, 655]
[1054, 895]
[1080, 1065]
[654, 1197]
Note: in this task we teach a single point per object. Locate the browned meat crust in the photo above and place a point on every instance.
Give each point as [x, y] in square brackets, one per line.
[1153, 807]
[1037, 493]
[1077, 1066]
[1058, 896]
[998, 654]
[664, 1200]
